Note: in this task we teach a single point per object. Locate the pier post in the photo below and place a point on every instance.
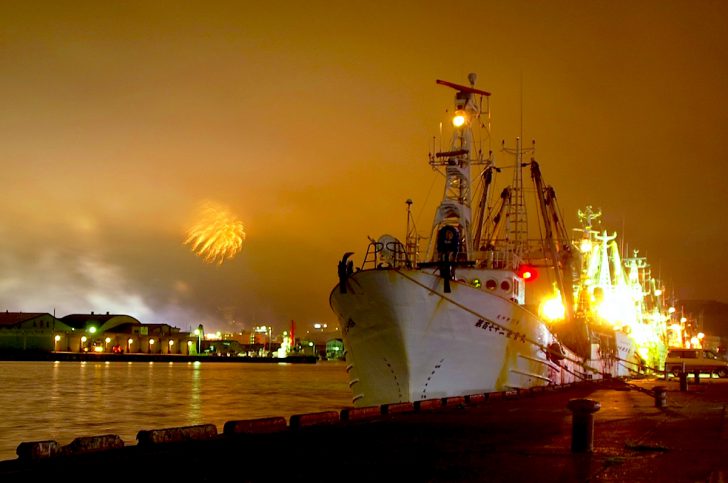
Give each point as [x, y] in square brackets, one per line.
[582, 424]
[683, 381]
[660, 396]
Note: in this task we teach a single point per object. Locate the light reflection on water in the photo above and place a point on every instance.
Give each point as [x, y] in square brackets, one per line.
[63, 400]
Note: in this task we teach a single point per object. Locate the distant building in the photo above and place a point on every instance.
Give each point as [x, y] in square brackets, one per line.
[32, 331]
[100, 332]
[335, 350]
[325, 342]
[111, 333]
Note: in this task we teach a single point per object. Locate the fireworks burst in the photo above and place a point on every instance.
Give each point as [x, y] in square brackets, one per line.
[217, 235]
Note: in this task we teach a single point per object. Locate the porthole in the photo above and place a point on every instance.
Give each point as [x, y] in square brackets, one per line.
[506, 285]
[491, 284]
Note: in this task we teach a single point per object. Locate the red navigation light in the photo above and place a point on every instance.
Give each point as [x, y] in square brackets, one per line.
[528, 273]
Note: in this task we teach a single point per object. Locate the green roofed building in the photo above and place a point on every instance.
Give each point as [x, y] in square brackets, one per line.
[31, 331]
[100, 323]
[96, 333]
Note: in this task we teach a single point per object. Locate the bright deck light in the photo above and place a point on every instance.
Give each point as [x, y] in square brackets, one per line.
[585, 246]
[459, 118]
[552, 308]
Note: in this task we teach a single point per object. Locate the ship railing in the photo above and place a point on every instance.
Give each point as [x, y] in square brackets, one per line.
[493, 259]
[390, 254]
[504, 256]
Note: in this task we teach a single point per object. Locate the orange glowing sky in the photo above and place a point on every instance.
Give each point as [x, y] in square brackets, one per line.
[312, 122]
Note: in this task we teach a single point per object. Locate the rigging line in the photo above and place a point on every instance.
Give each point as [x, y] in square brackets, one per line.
[427, 197]
[471, 311]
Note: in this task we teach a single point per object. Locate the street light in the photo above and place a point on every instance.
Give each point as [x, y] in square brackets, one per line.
[83, 341]
[128, 344]
[56, 339]
[199, 332]
[151, 344]
[171, 343]
[107, 340]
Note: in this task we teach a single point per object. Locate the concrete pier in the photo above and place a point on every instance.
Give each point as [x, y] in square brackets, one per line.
[515, 437]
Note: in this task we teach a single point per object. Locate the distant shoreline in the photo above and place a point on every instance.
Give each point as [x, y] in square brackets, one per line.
[105, 357]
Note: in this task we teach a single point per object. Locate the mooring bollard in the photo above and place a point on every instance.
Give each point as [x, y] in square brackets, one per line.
[582, 424]
[660, 396]
[683, 381]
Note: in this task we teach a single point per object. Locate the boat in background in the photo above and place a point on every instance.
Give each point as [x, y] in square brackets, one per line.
[468, 316]
[621, 293]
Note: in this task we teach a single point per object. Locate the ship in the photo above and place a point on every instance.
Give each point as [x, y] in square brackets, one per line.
[468, 314]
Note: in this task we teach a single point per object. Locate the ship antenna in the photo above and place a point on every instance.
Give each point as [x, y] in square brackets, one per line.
[410, 240]
[521, 104]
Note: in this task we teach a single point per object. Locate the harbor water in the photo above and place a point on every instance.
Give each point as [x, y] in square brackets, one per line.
[63, 400]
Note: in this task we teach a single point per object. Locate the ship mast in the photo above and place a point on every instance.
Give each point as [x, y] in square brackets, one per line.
[517, 230]
[453, 238]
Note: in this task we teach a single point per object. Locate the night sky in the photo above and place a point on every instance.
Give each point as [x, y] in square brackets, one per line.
[312, 122]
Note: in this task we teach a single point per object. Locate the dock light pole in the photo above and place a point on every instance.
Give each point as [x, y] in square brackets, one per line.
[199, 331]
[56, 339]
[83, 341]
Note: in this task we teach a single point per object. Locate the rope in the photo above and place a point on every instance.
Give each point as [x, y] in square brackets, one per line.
[653, 369]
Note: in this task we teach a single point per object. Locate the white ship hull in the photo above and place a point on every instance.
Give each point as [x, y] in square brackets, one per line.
[407, 340]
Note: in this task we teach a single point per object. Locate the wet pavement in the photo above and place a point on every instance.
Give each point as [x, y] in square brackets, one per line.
[523, 438]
